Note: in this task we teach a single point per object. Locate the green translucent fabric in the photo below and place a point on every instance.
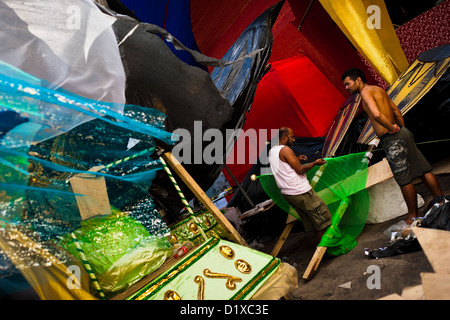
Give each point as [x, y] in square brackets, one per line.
[341, 183]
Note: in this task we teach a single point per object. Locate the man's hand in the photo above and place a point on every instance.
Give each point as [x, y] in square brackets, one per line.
[319, 162]
[396, 129]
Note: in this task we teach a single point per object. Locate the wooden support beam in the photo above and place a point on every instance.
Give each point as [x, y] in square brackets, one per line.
[376, 173]
[318, 255]
[282, 239]
[314, 263]
[202, 197]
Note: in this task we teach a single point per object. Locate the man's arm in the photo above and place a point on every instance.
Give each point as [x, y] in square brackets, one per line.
[397, 114]
[288, 155]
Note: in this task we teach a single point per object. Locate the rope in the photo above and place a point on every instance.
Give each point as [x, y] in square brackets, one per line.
[130, 157]
[424, 142]
[87, 266]
[183, 199]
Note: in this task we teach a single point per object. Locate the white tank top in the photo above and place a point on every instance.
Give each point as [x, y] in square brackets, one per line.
[289, 181]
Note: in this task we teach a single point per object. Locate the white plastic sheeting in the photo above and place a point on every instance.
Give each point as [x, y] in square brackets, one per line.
[68, 43]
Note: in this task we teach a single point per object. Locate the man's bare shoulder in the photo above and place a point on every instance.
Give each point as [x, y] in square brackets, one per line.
[370, 89]
[373, 92]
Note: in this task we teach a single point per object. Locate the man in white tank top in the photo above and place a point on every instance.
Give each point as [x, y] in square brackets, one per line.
[290, 176]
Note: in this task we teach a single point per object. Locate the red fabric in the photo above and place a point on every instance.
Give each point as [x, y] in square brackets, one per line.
[429, 30]
[319, 38]
[293, 93]
[217, 24]
[304, 94]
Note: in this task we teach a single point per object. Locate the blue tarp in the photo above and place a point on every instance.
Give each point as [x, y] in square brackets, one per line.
[173, 16]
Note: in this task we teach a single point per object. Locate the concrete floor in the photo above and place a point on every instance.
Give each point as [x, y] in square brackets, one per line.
[346, 277]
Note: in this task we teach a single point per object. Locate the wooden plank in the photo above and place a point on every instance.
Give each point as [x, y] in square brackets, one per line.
[314, 263]
[290, 219]
[317, 257]
[282, 239]
[202, 197]
[261, 207]
[436, 286]
[435, 244]
[376, 173]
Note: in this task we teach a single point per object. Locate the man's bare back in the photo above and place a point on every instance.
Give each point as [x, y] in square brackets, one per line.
[375, 101]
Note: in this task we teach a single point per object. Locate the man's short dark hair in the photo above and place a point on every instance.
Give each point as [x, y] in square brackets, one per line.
[354, 73]
[282, 132]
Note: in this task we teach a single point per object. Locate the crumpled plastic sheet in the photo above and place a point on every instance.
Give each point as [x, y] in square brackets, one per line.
[66, 43]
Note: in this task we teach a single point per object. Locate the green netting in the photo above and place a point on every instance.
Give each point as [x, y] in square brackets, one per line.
[341, 183]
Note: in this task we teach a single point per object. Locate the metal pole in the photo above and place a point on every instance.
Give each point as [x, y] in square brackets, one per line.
[306, 13]
[240, 187]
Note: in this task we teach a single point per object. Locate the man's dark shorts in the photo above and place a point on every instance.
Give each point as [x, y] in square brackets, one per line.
[403, 156]
[311, 209]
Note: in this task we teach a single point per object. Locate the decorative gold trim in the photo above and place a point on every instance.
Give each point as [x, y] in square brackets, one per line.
[172, 239]
[230, 284]
[262, 274]
[177, 269]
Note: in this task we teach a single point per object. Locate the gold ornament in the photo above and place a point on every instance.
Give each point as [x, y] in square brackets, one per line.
[227, 252]
[171, 295]
[201, 287]
[230, 284]
[193, 227]
[243, 266]
[173, 239]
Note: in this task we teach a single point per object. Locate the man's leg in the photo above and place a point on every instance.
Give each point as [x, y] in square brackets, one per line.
[431, 182]
[320, 233]
[410, 195]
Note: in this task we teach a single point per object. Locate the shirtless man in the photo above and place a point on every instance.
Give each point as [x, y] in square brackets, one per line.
[405, 160]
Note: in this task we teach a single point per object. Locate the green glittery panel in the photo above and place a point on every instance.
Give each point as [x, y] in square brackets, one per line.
[184, 231]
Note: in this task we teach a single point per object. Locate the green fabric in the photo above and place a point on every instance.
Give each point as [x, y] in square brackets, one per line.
[342, 186]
